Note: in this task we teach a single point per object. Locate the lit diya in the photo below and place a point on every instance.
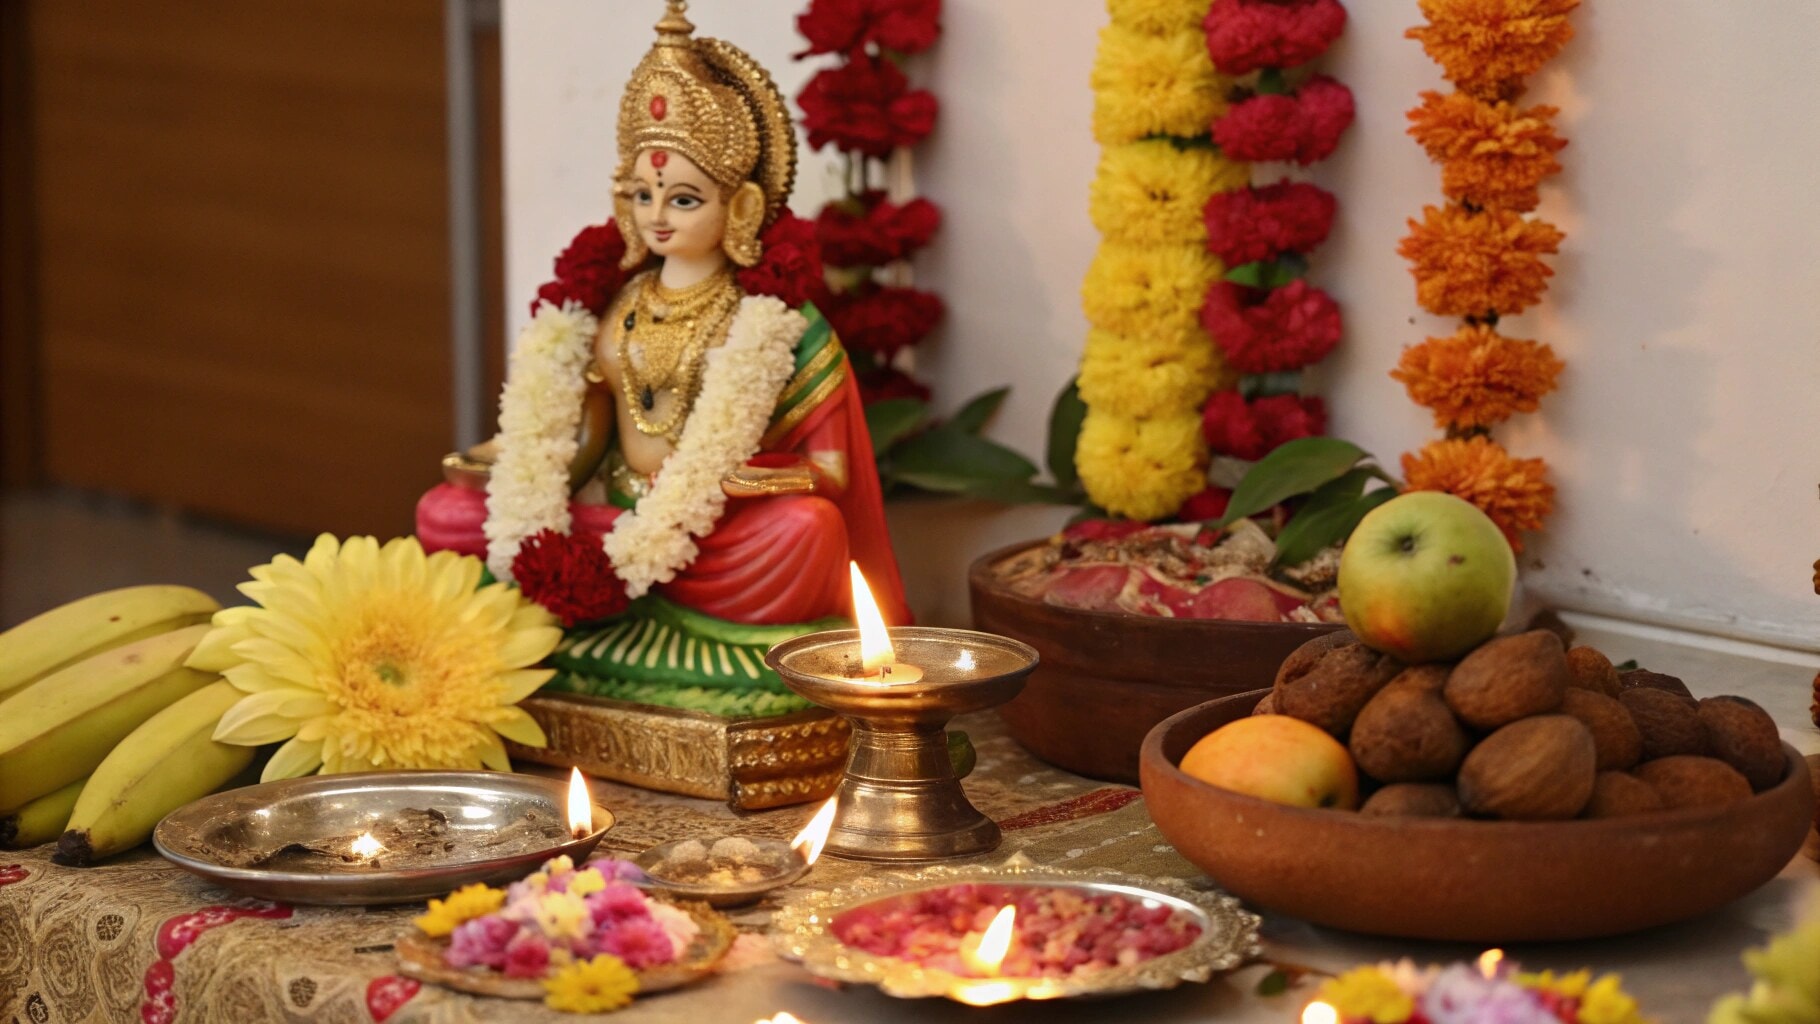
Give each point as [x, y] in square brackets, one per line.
[901, 799]
[733, 870]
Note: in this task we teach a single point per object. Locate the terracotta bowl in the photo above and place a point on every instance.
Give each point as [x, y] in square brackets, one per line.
[1107, 677]
[1473, 881]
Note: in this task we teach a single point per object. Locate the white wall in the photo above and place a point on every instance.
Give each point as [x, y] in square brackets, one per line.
[1685, 440]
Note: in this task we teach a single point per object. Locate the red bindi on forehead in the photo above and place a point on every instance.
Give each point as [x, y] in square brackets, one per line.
[659, 157]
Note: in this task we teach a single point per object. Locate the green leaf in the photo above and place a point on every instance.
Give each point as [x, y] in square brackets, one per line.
[892, 419]
[1272, 81]
[1065, 420]
[1327, 519]
[1269, 273]
[947, 452]
[973, 416]
[1294, 468]
[1273, 984]
[1262, 385]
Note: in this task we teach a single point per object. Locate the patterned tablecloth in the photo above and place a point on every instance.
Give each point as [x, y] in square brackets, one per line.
[137, 939]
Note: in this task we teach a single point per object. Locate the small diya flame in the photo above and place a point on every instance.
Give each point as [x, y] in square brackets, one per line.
[875, 651]
[814, 836]
[581, 806]
[1489, 961]
[367, 847]
[994, 944]
[781, 1017]
[1320, 1013]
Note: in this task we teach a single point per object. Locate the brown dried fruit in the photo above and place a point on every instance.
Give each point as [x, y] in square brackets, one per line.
[1687, 781]
[1304, 657]
[1590, 669]
[1614, 732]
[1414, 800]
[1406, 734]
[1508, 678]
[1743, 735]
[1669, 722]
[1616, 794]
[1536, 769]
[1331, 693]
[1644, 678]
[1431, 676]
[1267, 706]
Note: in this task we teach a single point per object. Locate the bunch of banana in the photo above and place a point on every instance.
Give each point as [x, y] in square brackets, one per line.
[103, 730]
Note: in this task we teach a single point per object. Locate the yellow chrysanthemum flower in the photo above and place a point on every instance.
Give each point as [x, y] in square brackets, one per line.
[1153, 192]
[1154, 85]
[1157, 17]
[599, 985]
[464, 904]
[1366, 993]
[586, 883]
[561, 915]
[1606, 1003]
[1573, 985]
[1143, 377]
[1139, 291]
[1141, 469]
[366, 657]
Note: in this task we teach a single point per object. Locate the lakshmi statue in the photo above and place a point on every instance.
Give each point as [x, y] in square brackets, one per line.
[706, 437]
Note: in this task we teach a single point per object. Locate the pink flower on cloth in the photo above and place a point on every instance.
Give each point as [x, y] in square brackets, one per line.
[526, 955]
[480, 942]
[639, 942]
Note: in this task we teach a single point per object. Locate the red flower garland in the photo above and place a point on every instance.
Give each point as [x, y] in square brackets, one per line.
[791, 268]
[884, 320]
[1271, 331]
[879, 232]
[1246, 35]
[1251, 224]
[865, 106]
[571, 576]
[1302, 127]
[1251, 430]
[588, 271]
[848, 26]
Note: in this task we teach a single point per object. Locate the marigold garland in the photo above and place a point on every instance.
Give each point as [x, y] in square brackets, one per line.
[1147, 291]
[1476, 377]
[1515, 493]
[1487, 47]
[1146, 376]
[1143, 468]
[1272, 331]
[1154, 192]
[1491, 154]
[1148, 85]
[1478, 263]
[1158, 17]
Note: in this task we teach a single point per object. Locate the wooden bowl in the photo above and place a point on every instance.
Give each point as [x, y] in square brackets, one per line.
[1107, 677]
[1477, 881]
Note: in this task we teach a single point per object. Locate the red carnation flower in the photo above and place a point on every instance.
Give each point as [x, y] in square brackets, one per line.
[884, 320]
[1250, 224]
[1252, 430]
[1245, 35]
[587, 271]
[791, 268]
[1208, 504]
[570, 575]
[1304, 126]
[1271, 331]
[879, 385]
[865, 107]
[847, 26]
[875, 233]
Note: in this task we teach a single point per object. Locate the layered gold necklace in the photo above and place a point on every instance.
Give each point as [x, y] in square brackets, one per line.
[673, 330]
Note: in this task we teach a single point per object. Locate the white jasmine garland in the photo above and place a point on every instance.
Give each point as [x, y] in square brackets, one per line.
[738, 393]
[539, 419]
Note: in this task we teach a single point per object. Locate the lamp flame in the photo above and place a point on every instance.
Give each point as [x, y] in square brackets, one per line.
[874, 640]
[781, 1017]
[814, 836]
[367, 846]
[1489, 961]
[581, 805]
[996, 942]
[1320, 1013]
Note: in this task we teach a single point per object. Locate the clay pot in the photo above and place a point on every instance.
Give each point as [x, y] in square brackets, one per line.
[1106, 677]
[1470, 881]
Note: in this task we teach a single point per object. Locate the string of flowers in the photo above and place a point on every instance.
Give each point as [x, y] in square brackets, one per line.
[864, 108]
[1493, 990]
[1479, 257]
[1148, 364]
[1268, 321]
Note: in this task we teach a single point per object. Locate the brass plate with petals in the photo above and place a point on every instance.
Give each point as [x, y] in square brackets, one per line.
[803, 931]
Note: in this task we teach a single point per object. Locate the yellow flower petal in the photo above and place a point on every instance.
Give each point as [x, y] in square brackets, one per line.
[523, 683]
[279, 660]
[518, 726]
[493, 753]
[269, 716]
[251, 678]
[524, 647]
[213, 653]
[296, 758]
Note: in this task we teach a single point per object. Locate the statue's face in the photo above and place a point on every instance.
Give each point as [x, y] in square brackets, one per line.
[679, 211]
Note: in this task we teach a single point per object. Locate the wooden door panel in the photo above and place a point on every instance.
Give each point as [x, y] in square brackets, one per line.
[243, 255]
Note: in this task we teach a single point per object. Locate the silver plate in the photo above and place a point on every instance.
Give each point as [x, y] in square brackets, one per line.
[803, 931]
[730, 894]
[216, 836]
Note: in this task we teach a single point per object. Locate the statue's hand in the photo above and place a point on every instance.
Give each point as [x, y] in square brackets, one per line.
[759, 479]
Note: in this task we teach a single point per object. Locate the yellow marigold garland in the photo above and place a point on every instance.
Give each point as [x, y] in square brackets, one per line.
[1148, 365]
[1479, 257]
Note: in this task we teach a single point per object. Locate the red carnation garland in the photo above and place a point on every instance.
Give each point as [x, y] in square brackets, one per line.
[1268, 322]
[571, 576]
[864, 107]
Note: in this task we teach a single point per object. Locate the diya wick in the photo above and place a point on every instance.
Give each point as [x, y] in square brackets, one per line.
[901, 799]
[366, 848]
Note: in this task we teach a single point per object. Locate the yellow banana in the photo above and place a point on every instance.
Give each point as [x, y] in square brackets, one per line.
[40, 821]
[57, 730]
[76, 631]
[169, 761]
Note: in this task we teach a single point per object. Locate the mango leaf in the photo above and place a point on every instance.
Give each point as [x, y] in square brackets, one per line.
[973, 416]
[949, 453]
[1326, 519]
[890, 420]
[1294, 468]
[1064, 434]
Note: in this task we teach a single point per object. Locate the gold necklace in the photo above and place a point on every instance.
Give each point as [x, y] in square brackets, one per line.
[673, 329]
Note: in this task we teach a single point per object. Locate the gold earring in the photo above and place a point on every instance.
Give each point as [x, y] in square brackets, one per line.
[745, 213]
[628, 230]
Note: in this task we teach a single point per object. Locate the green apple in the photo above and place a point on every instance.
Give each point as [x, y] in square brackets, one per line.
[1426, 576]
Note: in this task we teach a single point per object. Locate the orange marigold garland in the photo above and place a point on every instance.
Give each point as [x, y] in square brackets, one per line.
[1479, 257]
